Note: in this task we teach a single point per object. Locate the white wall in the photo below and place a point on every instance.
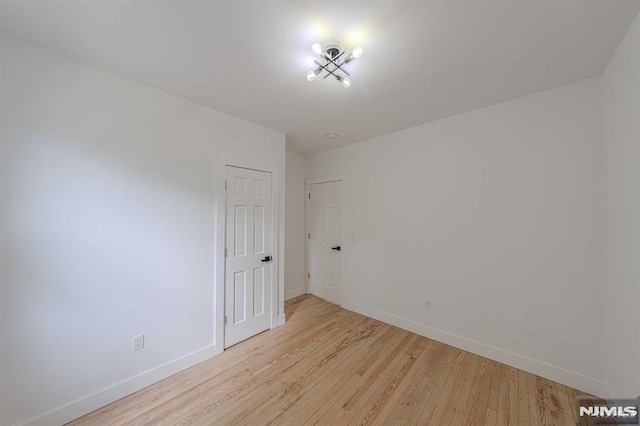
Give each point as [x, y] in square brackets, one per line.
[295, 282]
[108, 197]
[621, 172]
[494, 215]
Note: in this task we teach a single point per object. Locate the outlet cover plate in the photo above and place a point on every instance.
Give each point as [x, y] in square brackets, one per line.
[138, 342]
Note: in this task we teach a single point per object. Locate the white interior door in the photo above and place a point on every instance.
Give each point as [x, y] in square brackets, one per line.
[249, 244]
[325, 240]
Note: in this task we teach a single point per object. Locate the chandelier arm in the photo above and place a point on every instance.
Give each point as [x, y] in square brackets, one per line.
[330, 72]
[339, 66]
[322, 67]
[334, 72]
[325, 67]
[343, 70]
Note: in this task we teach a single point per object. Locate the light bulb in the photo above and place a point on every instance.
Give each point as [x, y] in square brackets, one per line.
[358, 52]
[316, 48]
[311, 75]
[346, 82]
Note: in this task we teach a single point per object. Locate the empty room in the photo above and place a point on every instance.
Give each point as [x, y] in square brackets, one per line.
[235, 212]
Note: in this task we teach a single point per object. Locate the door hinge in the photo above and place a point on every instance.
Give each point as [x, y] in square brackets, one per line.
[225, 320]
[309, 275]
[309, 195]
[225, 185]
[309, 235]
[226, 253]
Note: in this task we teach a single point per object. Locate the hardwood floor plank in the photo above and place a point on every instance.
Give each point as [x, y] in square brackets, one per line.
[327, 365]
[534, 410]
[441, 399]
[550, 399]
[565, 406]
[491, 413]
[508, 399]
[514, 396]
[523, 398]
[478, 402]
[455, 411]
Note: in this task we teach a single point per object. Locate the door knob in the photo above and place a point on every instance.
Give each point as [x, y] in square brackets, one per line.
[336, 248]
[267, 259]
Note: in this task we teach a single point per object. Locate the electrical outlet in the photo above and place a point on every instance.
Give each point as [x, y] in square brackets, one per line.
[427, 304]
[138, 342]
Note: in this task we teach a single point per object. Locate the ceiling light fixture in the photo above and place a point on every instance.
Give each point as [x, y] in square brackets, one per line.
[332, 65]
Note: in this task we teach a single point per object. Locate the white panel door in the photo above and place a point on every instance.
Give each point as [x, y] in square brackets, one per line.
[248, 251]
[325, 240]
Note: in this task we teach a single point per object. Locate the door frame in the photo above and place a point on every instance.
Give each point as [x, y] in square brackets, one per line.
[343, 218]
[277, 234]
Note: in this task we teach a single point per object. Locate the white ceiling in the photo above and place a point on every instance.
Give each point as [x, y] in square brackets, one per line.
[424, 59]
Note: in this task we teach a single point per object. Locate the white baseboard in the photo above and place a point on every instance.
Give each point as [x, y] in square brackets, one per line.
[294, 293]
[530, 365]
[281, 319]
[91, 402]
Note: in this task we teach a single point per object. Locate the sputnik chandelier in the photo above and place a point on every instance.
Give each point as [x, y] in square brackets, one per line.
[333, 65]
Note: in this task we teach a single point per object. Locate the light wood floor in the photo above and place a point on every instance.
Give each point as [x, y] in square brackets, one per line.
[331, 366]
